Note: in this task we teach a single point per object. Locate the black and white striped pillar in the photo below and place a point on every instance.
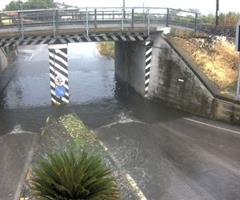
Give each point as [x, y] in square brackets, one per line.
[148, 59]
[58, 65]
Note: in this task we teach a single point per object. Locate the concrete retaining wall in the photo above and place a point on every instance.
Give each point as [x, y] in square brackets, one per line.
[130, 64]
[3, 60]
[7, 55]
[177, 80]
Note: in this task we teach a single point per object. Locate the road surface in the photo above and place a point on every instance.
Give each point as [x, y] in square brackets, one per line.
[169, 154]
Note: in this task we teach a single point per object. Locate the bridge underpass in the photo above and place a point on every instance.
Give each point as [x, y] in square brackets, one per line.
[170, 154]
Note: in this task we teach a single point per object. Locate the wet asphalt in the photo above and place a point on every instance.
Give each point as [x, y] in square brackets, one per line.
[170, 154]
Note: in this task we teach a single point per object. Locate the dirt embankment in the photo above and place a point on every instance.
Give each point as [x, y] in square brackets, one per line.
[216, 57]
[106, 49]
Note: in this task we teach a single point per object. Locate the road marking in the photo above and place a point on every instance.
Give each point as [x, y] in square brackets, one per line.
[130, 180]
[135, 187]
[212, 126]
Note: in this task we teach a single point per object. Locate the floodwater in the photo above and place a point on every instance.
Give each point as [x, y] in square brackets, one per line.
[94, 92]
[169, 154]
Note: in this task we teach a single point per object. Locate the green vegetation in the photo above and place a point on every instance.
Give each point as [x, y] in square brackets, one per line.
[70, 163]
[30, 4]
[106, 49]
[216, 58]
[73, 175]
[228, 19]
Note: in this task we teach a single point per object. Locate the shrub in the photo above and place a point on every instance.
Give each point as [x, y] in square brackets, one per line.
[73, 175]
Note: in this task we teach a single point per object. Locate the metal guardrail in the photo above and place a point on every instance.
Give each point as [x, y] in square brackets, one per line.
[89, 18]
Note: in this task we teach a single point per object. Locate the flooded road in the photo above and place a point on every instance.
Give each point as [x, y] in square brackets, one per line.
[26, 100]
[171, 155]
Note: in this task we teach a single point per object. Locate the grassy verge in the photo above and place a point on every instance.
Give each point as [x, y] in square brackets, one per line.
[215, 57]
[106, 49]
[64, 132]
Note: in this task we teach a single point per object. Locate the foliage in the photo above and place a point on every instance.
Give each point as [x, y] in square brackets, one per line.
[30, 4]
[106, 49]
[14, 5]
[228, 19]
[73, 175]
[216, 58]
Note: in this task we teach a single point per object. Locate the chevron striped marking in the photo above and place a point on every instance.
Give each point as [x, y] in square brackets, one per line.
[64, 39]
[58, 67]
[148, 60]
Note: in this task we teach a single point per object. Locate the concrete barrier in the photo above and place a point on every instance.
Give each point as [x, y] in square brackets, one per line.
[177, 80]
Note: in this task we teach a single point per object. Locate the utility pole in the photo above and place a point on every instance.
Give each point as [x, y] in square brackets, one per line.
[217, 12]
[124, 7]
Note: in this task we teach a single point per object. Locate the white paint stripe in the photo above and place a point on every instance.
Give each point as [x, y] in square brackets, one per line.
[148, 66]
[57, 73]
[105, 37]
[63, 54]
[97, 38]
[146, 89]
[148, 73]
[132, 38]
[52, 76]
[65, 100]
[123, 38]
[45, 40]
[147, 43]
[135, 187]
[58, 58]
[148, 51]
[70, 40]
[149, 58]
[53, 92]
[131, 181]
[58, 46]
[212, 126]
[146, 81]
[52, 84]
[55, 102]
[58, 66]
[114, 37]
[139, 37]
[37, 40]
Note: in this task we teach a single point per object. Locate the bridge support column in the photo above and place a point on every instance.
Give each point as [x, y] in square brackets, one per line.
[58, 65]
[148, 61]
[133, 63]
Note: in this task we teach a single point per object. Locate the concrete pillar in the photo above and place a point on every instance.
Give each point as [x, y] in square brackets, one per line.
[58, 65]
[130, 64]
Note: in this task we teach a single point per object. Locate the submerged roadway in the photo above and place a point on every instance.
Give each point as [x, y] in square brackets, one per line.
[169, 154]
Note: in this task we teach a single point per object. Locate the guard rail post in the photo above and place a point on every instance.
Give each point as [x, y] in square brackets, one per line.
[87, 25]
[122, 22]
[195, 22]
[148, 21]
[22, 25]
[95, 18]
[167, 18]
[132, 18]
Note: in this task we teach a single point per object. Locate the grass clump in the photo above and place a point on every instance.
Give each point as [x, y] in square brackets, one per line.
[216, 57]
[73, 175]
[106, 49]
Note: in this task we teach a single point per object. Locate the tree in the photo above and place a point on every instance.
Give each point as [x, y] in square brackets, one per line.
[30, 4]
[14, 5]
[39, 4]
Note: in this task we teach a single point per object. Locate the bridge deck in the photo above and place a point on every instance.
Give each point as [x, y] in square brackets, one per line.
[72, 21]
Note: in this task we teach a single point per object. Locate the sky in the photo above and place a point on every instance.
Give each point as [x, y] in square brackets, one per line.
[204, 6]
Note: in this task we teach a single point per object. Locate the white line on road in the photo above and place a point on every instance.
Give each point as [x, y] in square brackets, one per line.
[131, 181]
[212, 126]
[135, 187]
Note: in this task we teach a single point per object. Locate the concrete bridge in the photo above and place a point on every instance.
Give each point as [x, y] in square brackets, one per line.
[92, 20]
[131, 29]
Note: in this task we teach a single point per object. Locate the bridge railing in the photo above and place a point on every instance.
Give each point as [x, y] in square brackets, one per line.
[89, 18]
